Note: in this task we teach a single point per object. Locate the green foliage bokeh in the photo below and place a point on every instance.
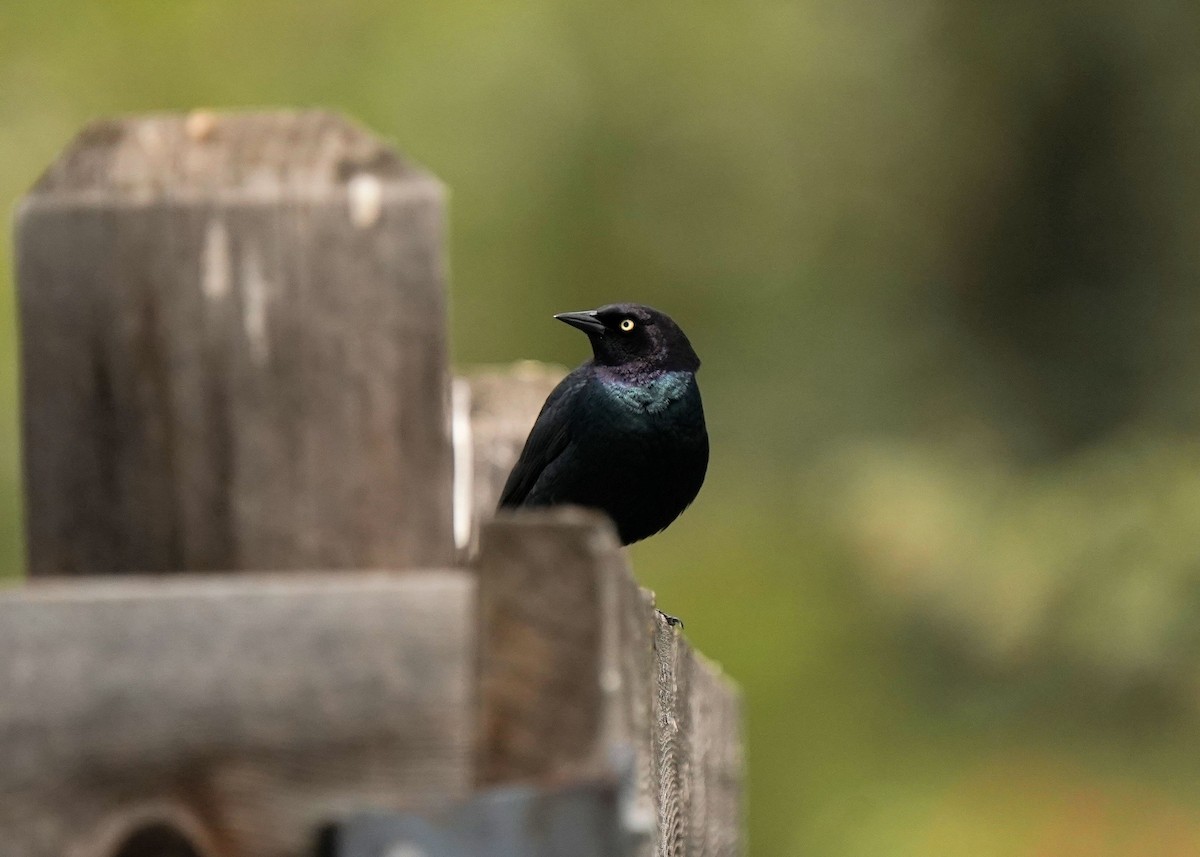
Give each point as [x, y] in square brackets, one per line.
[939, 260]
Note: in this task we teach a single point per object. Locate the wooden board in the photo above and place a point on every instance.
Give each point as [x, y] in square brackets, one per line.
[494, 409]
[698, 752]
[233, 356]
[576, 820]
[233, 350]
[716, 824]
[245, 712]
[579, 675]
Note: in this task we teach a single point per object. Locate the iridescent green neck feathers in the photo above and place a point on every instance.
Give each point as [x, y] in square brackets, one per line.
[653, 396]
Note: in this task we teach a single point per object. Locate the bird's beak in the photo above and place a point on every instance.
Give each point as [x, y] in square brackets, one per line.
[585, 321]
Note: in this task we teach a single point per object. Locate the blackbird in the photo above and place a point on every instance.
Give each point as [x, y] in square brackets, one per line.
[624, 432]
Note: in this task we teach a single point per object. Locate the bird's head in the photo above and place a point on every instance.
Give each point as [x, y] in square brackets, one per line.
[635, 335]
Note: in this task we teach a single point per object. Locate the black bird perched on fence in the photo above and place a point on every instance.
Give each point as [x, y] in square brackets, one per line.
[623, 433]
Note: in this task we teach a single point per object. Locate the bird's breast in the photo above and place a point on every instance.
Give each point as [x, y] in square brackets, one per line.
[653, 396]
[646, 453]
[664, 417]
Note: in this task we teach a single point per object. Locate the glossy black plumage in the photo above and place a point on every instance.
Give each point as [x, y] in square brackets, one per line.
[625, 431]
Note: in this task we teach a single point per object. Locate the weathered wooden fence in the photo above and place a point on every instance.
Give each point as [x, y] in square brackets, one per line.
[234, 364]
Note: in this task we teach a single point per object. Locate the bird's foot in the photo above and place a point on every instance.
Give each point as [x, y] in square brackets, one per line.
[671, 620]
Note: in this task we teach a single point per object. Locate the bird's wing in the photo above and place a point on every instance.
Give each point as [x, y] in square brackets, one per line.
[547, 440]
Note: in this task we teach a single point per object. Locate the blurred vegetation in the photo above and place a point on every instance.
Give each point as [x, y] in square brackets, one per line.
[941, 261]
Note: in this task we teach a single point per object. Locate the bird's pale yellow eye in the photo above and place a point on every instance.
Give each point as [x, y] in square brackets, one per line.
[627, 325]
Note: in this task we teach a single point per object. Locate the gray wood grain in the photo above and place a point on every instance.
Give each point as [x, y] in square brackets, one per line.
[565, 676]
[499, 404]
[243, 711]
[698, 754]
[233, 350]
[542, 580]
[672, 739]
[715, 824]
[580, 674]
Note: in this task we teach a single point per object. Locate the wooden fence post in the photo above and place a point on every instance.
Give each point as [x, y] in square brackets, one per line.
[242, 712]
[233, 350]
[579, 673]
[494, 409]
[234, 359]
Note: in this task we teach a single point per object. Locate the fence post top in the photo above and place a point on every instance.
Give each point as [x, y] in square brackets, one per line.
[179, 155]
[574, 525]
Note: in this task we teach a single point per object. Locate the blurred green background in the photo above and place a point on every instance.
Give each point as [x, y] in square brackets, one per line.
[941, 260]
